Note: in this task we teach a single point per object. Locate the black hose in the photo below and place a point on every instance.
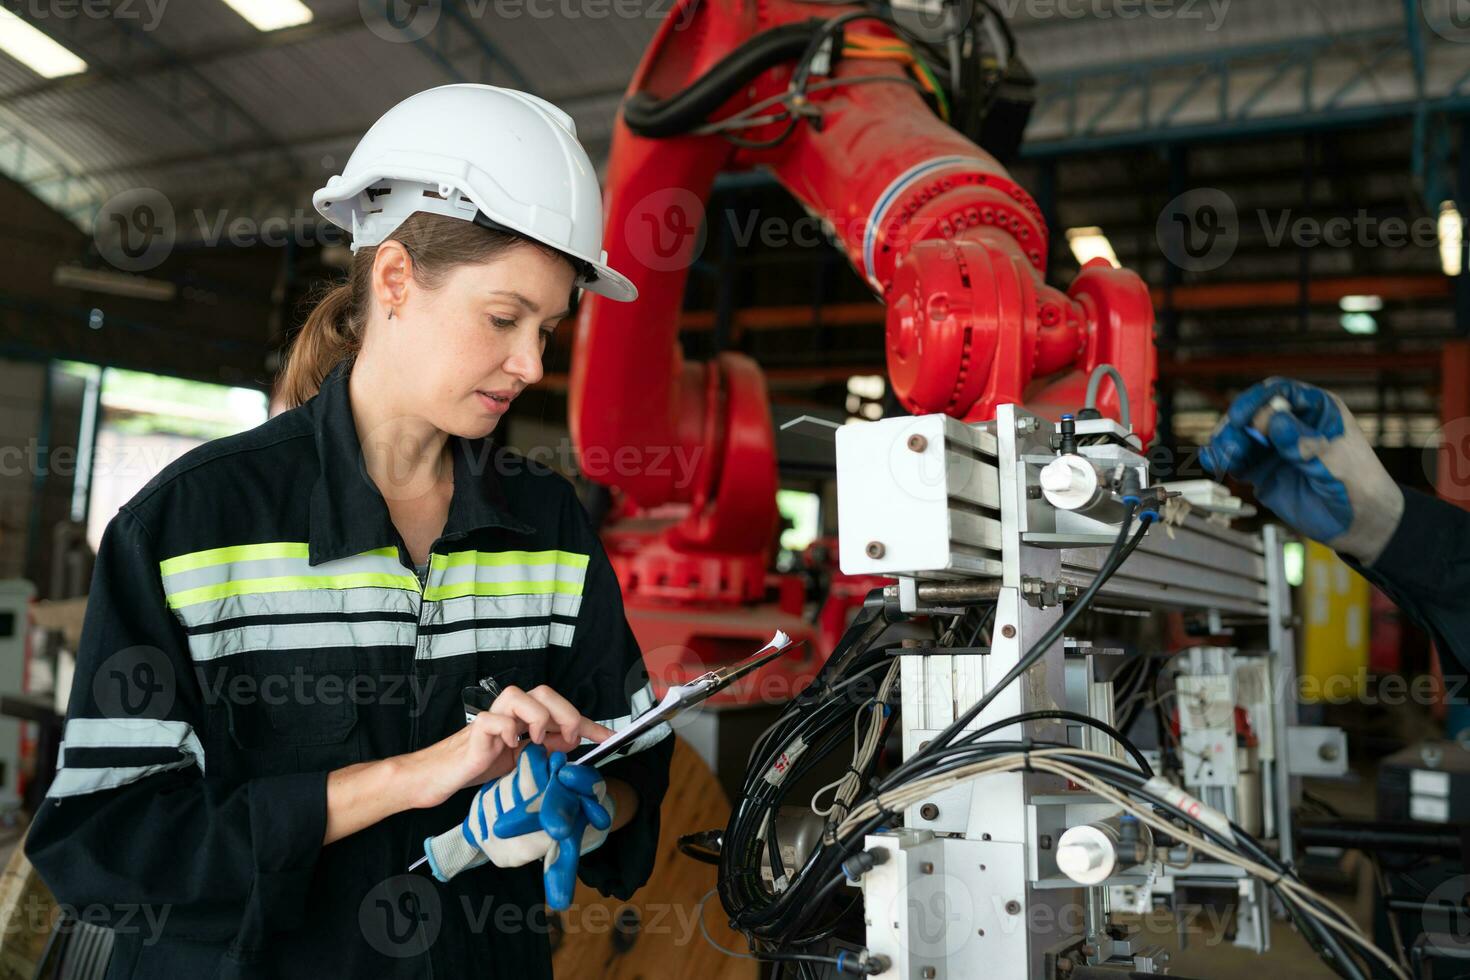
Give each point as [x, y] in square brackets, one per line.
[1374, 836]
[661, 118]
[1073, 716]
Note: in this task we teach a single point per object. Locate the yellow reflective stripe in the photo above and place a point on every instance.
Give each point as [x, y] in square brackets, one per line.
[492, 559]
[236, 552]
[250, 552]
[460, 589]
[292, 583]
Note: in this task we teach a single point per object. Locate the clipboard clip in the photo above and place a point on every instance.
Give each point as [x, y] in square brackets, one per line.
[682, 697]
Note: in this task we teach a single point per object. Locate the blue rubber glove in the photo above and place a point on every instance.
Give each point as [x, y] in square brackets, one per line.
[531, 813]
[1310, 463]
[574, 813]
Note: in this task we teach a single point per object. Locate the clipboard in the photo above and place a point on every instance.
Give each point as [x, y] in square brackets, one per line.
[682, 697]
[678, 698]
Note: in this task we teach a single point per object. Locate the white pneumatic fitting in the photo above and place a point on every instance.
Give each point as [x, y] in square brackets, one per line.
[1088, 854]
[1071, 483]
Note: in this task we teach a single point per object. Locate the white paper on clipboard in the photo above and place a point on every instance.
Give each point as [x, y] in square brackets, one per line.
[676, 699]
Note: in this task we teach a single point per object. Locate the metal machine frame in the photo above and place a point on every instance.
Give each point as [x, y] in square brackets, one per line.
[973, 887]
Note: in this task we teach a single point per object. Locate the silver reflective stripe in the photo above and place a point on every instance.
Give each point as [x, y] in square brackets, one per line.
[74, 782]
[548, 572]
[122, 733]
[471, 607]
[310, 601]
[438, 646]
[299, 636]
[641, 701]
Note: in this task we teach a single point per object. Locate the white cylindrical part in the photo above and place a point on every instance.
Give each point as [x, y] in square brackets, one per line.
[1071, 483]
[1088, 854]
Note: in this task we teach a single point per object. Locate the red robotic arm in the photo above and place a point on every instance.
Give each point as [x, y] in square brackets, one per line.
[949, 242]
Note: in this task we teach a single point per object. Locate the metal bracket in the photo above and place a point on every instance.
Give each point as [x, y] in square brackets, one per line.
[1041, 594]
[1316, 750]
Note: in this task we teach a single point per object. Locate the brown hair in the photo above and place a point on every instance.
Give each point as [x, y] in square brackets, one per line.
[333, 329]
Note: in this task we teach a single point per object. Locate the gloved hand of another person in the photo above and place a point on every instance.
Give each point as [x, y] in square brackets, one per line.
[1310, 463]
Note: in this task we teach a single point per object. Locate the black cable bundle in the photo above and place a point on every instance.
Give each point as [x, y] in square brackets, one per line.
[817, 721]
[800, 43]
[779, 924]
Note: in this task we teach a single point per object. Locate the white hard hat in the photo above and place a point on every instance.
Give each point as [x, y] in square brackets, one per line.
[494, 156]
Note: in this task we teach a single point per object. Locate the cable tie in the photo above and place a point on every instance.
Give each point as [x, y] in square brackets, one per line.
[883, 808]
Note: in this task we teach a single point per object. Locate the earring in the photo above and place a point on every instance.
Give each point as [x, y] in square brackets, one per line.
[391, 311]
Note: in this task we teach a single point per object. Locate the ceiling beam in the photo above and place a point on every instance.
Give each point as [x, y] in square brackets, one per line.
[1304, 364]
[197, 58]
[219, 105]
[1203, 296]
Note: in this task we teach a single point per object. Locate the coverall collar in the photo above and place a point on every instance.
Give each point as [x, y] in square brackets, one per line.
[348, 513]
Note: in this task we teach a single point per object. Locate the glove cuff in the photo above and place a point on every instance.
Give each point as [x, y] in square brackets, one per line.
[1374, 525]
[450, 853]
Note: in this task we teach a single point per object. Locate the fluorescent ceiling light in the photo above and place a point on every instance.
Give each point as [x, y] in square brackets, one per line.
[1090, 243]
[1360, 304]
[1362, 324]
[271, 15]
[35, 50]
[1451, 234]
[114, 283]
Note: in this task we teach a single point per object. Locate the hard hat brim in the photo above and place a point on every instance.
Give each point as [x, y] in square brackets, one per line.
[607, 281]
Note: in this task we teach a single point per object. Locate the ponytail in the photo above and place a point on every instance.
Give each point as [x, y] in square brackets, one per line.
[329, 335]
[334, 329]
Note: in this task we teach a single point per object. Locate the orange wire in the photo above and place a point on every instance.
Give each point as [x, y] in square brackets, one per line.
[881, 55]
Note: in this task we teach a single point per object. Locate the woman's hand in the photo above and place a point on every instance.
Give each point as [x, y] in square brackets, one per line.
[485, 749]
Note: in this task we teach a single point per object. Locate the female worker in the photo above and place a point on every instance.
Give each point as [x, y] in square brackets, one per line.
[291, 631]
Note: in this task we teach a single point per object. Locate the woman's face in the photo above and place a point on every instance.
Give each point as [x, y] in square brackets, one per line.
[466, 349]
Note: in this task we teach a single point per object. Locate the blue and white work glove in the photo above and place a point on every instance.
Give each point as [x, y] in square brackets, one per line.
[1310, 463]
[544, 809]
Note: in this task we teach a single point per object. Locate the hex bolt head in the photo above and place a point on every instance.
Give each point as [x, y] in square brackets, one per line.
[1044, 842]
[926, 868]
[929, 811]
[1013, 907]
[928, 973]
[875, 549]
[918, 443]
[1008, 631]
